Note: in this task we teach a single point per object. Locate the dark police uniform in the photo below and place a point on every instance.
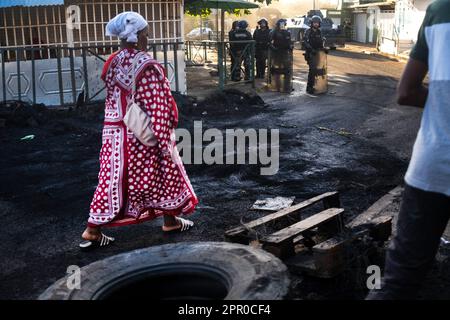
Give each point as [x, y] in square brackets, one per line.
[237, 50]
[230, 37]
[280, 58]
[262, 39]
[313, 42]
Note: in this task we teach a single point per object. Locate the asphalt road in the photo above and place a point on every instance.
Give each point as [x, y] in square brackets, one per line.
[47, 183]
[361, 99]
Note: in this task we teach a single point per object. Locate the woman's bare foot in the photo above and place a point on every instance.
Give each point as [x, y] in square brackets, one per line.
[91, 234]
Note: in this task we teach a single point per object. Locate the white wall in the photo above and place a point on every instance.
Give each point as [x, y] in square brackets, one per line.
[361, 27]
[47, 85]
[409, 17]
[387, 32]
[399, 30]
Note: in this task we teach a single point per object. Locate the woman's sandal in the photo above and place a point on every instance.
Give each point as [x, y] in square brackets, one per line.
[91, 244]
[184, 225]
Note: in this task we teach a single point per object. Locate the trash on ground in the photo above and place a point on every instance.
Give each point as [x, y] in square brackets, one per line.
[287, 126]
[205, 207]
[273, 204]
[29, 137]
[341, 132]
[255, 244]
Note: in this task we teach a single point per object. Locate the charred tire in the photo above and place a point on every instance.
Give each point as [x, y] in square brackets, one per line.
[196, 270]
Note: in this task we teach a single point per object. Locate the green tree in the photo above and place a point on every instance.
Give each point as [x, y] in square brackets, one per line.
[206, 12]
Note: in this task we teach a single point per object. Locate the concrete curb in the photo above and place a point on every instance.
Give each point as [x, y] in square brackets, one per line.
[373, 51]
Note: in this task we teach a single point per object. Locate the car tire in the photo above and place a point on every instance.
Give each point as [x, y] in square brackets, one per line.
[244, 272]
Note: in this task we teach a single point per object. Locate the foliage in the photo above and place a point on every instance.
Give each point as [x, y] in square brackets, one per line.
[207, 12]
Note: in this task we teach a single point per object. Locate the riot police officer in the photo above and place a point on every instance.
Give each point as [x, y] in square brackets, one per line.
[234, 27]
[313, 42]
[262, 39]
[240, 51]
[281, 56]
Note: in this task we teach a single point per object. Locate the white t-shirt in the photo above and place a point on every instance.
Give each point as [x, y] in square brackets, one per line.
[429, 168]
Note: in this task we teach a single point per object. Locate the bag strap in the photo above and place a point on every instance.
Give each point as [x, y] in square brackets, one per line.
[133, 82]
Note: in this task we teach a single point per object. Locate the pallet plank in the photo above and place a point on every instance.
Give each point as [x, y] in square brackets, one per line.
[294, 230]
[280, 214]
[375, 209]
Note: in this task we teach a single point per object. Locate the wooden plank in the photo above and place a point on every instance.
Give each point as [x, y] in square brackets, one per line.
[325, 263]
[279, 214]
[375, 209]
[381, 228]
[292, 231]
[332, 201]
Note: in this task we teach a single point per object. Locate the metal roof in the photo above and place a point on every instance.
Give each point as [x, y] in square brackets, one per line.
[29, 3]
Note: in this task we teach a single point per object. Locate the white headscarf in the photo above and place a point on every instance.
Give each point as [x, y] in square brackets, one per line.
[126, 25]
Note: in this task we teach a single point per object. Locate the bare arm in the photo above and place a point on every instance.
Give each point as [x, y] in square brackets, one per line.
[410, 90]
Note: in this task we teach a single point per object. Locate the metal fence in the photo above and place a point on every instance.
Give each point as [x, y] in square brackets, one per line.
[75, 71]
[244, 58]
[197, 51]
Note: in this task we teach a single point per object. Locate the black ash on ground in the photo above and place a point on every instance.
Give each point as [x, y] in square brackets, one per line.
[48, 182]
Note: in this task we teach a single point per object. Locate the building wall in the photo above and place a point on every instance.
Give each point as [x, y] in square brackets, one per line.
[56, 83]
[47, 75]
[409, 15]
[46, 25]
[387, 35]
[360, 25]
[400, 28]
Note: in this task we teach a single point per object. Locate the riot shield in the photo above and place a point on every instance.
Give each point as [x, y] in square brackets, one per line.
[318, 66]
[279, 77]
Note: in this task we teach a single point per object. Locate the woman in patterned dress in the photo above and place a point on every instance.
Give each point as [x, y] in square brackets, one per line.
[137, 183]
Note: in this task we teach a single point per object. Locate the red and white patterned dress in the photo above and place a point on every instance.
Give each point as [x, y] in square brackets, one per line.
[136, 182]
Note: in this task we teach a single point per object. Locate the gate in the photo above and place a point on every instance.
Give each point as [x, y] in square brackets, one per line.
[72, 74]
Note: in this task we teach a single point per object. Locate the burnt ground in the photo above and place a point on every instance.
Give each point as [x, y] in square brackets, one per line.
[48, 182]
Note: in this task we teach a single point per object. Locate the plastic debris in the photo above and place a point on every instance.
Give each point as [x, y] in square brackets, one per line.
[273, 204]
[205, 207]
[29, 137]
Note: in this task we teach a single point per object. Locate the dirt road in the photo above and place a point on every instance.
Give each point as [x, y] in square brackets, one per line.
[48, 182]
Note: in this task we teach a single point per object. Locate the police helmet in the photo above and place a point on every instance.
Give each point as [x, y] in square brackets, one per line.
[243, 24]
[281, 21]
[263, 20]
[281, 24]
[316, 19]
